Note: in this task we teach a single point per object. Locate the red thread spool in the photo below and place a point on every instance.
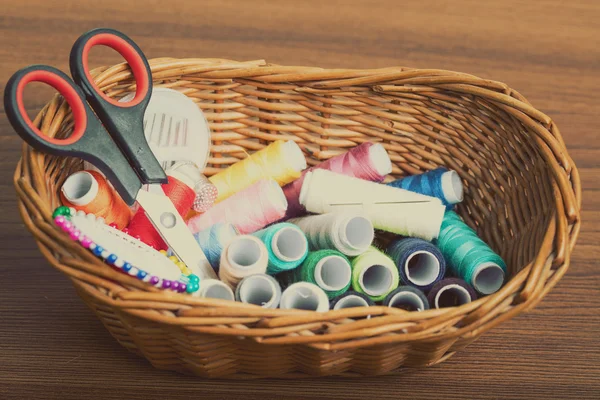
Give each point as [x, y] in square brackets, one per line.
[90, 192]
[182, 196]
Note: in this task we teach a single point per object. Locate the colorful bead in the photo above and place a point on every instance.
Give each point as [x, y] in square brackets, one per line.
[193, 278]
[174, 259]
[67, 226]
[175, 285]
[142, 274]
[192, 287]
[153, 280]
[127, 267]
[98, 250]
[163, 252]
[186, 271]
[182, 288]
[86, 242]
[111, 258]
[61, 211]
[59, 220]
[75, 234]
[166, 284]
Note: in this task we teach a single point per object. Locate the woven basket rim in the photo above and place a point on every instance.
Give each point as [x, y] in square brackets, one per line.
[336, 329]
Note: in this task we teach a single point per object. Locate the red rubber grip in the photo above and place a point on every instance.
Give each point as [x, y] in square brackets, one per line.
[68, 92]
[130, 55]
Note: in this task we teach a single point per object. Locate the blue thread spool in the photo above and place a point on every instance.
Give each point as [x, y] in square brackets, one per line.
[407, 298]
[419, 262]
[469, 257]
[213, 240]
[351, 299]
[441, 183]
[287, 246]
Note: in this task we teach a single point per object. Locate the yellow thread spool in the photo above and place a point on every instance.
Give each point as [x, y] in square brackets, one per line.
[282, 161]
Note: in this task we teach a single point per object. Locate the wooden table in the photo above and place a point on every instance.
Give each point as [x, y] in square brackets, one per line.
[51, 346]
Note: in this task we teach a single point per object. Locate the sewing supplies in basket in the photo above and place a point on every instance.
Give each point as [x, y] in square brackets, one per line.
[324, 258]
[265, 230]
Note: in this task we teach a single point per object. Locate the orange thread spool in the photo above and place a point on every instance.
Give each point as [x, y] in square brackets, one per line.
[140, 226]
[90, 192]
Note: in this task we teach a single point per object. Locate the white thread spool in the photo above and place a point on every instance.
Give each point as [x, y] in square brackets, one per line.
[452, 187]
[454, 294]
[488, 278]
[245, 255]
[351, 233]
[80, 188]
[422, 268]
[260, 289]
[350, 301]
[304, 296]
[214, 289]
[332, 273]
[289, 244]
[389, 209]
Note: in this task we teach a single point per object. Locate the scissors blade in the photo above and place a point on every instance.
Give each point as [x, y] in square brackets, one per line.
[167, 221]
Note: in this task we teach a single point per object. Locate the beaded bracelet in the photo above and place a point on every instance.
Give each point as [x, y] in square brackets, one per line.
[110, 244]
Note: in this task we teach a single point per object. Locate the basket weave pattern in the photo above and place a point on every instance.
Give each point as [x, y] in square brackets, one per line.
[522, 195]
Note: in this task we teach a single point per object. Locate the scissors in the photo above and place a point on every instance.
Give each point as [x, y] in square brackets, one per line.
[108, 134]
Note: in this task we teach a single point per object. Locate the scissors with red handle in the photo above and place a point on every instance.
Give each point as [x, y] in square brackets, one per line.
[108, 134]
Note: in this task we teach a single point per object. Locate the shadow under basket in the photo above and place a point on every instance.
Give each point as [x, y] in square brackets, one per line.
[522, 196]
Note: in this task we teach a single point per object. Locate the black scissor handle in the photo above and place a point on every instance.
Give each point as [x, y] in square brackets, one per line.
[124, 121]
[89, 140]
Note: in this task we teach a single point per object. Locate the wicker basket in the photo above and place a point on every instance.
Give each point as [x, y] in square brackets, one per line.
[523, 196]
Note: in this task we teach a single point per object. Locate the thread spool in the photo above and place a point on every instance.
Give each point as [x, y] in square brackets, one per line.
[440, 183]
[180, 190]
[374, 274]
[390, 209]
[304, 296]
[351, 299]
[213, 240]
[328, 269]
[90, 192]
[244, 256]
[469, 257]
[249, 210]
[281, 161]
[260, 289]
[214, 289]
[451, 292]
[286, 244]
[419, 262]
[407, 298]
[368, 161]
[351, 233]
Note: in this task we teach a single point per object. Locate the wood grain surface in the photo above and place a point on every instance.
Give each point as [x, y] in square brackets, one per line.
[52, 347]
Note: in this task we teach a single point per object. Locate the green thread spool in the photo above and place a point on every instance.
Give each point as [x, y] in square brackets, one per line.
[374, 274]
[328, 269]
[469, 257]
[286, 244]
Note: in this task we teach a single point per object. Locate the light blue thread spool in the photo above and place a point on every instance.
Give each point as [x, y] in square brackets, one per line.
[441, 183]
[469, 257]
[213, 240]
[286, 244]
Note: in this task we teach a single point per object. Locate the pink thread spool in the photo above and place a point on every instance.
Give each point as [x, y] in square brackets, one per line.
[248, 210]
[369, 161]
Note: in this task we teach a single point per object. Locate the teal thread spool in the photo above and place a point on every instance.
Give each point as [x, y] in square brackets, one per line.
[286, 244]
[374, 274]
[469, 257]
[328, 269]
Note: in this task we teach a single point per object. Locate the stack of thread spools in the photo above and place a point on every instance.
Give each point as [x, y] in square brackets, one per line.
[280, 235]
